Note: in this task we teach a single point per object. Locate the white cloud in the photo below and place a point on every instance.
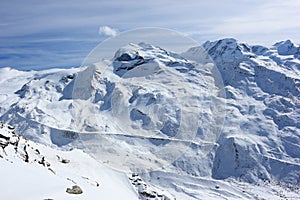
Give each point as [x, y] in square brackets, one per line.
[108, 31]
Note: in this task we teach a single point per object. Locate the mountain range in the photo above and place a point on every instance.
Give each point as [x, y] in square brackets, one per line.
[219, 121]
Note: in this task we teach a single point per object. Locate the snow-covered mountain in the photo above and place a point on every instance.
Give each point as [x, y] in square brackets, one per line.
[184, 126]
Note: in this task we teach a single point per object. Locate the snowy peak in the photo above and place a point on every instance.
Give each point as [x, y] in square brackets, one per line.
[287, 48]
[267, 81]
[138, 51]
[226, 50]
[144, 57]
[239, 62]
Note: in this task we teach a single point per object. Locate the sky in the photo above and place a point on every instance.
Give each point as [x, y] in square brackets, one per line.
[45, 34]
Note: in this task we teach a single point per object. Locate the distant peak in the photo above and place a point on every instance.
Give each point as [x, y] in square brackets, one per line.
[141, 46]
[226, 50]
[221, 42]
[229, 40]
[285, 42]
[146, 45]
[9, 69]
[136, 52]
[286, 47]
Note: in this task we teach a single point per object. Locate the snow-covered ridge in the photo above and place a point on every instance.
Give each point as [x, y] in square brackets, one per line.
[260, 138]
[263, 96]
[141, 55]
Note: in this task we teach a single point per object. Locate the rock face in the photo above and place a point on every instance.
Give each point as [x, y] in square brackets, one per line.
[146, 191]
[14, 145]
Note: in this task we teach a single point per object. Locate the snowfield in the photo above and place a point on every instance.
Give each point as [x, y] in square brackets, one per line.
[153, 124]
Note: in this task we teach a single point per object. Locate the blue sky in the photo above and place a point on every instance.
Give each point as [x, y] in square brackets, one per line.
[41, 34]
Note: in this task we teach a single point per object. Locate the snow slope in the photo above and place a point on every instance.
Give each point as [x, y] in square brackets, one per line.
[203, 134]
[35, 171]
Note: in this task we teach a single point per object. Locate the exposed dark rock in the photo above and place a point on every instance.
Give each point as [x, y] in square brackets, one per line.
[74, 190]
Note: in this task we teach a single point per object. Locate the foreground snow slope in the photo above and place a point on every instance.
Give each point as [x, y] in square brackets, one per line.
[247, 144]
[35, 171]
